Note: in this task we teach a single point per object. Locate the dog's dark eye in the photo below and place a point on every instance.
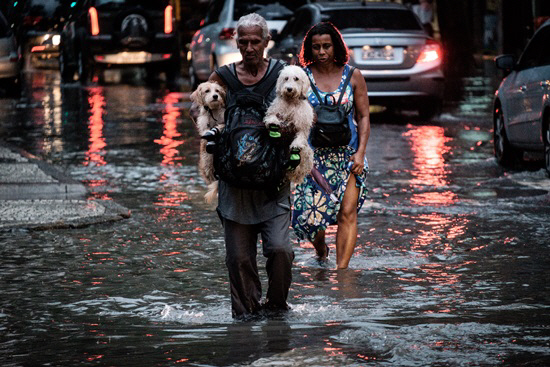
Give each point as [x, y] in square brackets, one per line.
[295, 78]
[207, 91]
[286, 78]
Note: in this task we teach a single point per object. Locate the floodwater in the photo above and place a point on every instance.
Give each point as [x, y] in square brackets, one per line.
[450, 269]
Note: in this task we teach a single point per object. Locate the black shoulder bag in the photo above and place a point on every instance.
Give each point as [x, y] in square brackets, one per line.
[332, 127]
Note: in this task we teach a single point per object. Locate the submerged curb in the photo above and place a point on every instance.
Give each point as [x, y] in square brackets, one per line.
[36, 195]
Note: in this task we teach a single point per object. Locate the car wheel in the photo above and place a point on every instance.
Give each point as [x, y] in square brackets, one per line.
[505, 154]
[83, 68]
[193, 79]
[547, 143]
[66, 71]
[429, 109]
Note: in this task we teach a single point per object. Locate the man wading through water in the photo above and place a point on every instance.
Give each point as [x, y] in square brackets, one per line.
[254, 209]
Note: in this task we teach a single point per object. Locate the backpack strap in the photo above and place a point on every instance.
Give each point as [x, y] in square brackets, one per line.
[229, 78]
[265, 87]
[346, 82]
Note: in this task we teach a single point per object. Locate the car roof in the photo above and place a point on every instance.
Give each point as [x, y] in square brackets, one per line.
[331, 5]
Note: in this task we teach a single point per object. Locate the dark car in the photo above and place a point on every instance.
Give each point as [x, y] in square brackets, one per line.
[400, 62]
[10, 58]
[100, 34]
[39, 24]
[522, 103]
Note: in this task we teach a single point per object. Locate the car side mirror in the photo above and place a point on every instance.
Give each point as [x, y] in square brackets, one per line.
[506, 62]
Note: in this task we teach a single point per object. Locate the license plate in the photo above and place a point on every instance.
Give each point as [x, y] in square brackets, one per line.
[379, 53]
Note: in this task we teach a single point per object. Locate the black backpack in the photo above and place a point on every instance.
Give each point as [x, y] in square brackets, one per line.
[332, 126]
[245, 155]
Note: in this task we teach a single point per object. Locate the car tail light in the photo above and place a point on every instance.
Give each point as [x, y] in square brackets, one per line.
[94, 21]
[430, 52]
[168, 27]
[31, 20]
[227, 33]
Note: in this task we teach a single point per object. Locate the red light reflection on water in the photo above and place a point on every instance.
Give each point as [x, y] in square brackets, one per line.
[428, 144]
[96, 149]
[168, 140]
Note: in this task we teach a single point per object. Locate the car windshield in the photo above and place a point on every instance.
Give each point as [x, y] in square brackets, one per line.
[148, 4]
[372, 20]
[43, 7]
[281, 10]
[4, 28]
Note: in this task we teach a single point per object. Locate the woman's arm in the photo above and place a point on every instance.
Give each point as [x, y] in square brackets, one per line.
[361, 105]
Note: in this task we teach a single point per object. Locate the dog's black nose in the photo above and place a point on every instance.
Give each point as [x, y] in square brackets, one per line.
[215, 96]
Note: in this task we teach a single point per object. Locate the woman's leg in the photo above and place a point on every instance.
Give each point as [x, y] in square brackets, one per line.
[346, 236]
[320, 246]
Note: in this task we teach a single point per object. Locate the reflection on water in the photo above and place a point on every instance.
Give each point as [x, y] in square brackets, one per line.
[428, 145]
[97, 148]
[168, 140]
[438, 277]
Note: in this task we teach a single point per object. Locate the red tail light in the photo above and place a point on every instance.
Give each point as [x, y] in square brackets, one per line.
[430, 52]
[168, 26]
[94, 21]
[30, 20]
[227, 33]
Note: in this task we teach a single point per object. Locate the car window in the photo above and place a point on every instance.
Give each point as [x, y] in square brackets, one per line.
[372, 19]
[213, 13]
[281, 10]
[147, 4]
[43, 7]
[537, 52]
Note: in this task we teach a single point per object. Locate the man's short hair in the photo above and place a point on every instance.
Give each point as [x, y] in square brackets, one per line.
[253, 20]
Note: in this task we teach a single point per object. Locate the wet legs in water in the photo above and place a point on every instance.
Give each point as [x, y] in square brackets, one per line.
[346, 235]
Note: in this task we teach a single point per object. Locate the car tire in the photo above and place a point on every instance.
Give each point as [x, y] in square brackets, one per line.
[546, 138]
[66, 71]
[430, 109]
[505, 154]
[83, 68]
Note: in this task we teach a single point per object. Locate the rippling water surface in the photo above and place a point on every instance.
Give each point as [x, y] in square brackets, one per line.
[450, 269]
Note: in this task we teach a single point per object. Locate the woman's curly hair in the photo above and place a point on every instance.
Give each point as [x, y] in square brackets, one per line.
[341, 52]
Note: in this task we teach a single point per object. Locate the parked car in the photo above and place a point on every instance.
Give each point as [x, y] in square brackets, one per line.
[521, 107]
[10, 58]
[401, 64]
[100, 34]
[39, 25]
[213, 44]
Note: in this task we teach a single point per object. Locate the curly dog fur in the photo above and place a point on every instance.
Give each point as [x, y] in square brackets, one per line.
[293, 114]
[209, 97]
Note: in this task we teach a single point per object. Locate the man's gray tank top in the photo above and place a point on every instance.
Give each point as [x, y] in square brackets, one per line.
[252, 206]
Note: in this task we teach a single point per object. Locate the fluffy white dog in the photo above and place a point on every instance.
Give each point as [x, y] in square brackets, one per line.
[210, 99]
[291, 113]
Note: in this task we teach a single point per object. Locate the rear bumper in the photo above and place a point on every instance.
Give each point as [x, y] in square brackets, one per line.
[8, 68]
[422, 82]
[107, 49]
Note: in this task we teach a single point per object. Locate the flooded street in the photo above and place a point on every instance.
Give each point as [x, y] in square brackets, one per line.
[451, 267]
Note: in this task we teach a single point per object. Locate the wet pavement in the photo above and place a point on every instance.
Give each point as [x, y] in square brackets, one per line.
[450, 269]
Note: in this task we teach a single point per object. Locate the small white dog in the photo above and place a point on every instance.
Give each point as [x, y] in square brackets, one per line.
[210, 99]
[290, 112]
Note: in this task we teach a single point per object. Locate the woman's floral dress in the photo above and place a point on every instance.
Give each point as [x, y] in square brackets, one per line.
[314, 208]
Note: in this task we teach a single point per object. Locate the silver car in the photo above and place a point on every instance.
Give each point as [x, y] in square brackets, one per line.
[10, 58]
[401, 64]
[522, 102]
[213, 45]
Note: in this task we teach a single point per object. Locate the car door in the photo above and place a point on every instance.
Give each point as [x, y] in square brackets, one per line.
[202, 42]
[528, 91]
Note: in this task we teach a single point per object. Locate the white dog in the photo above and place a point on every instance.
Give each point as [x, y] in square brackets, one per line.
[210, 99]
[292, 113]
